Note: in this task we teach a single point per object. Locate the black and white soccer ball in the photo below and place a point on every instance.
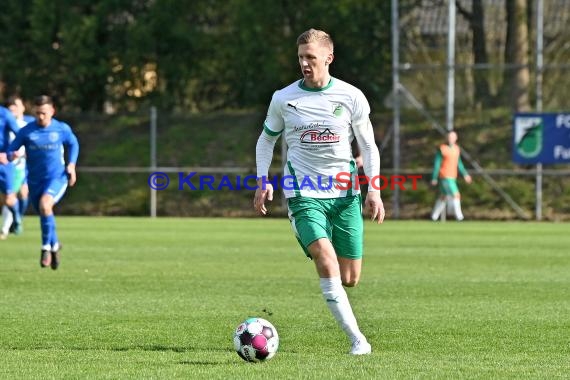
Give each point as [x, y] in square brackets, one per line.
[256, 340]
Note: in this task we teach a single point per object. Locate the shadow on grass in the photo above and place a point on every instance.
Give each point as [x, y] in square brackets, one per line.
[203, 362]
[164, 348]
[154, 347]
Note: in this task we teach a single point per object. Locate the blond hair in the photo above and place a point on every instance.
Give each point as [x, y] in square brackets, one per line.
[314, 35]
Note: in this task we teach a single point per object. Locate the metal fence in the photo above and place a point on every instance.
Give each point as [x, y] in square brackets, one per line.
[434, 47]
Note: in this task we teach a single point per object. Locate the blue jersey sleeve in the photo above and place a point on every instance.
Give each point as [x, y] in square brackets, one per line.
[7, 124]
[16, 143]
[72, 144]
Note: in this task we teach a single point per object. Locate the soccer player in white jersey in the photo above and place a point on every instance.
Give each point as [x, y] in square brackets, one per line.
[319, 116]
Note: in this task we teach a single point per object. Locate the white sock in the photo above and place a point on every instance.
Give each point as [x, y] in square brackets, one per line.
[457, 209]
[437, 209]
[7, 219]
[337, 302]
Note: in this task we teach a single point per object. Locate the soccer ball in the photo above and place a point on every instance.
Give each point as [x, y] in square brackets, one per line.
[256, 340]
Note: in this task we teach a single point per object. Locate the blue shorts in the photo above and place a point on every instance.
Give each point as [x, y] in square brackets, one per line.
[7, 178]
[54, 187]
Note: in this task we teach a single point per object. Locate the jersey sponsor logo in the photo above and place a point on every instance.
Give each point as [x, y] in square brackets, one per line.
[319, 137]
[528, 136]
[44, 147]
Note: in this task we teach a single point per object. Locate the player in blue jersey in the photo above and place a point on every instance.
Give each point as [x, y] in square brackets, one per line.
[8, 197]
[46, 139]
[16, 105]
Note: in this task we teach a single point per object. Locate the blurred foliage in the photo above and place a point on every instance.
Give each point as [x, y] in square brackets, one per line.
[118, 55]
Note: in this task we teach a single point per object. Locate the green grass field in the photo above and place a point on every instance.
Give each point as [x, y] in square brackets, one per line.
[141, 298]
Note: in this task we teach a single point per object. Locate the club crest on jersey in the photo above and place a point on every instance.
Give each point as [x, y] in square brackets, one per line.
[53, 136]
[337, 110]
[319, 137]
[528, 136]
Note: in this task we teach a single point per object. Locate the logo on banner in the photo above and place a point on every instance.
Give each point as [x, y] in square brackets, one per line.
[529, 136]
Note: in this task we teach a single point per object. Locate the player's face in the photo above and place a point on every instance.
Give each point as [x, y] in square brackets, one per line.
[451, 138]
[17, 108]
[314, 59]
[44, 113]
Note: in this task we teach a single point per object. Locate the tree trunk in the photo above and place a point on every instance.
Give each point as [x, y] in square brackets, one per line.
[482, 91]
[517, 80]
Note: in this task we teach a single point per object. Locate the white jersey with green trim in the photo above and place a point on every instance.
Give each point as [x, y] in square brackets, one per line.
[317, 127]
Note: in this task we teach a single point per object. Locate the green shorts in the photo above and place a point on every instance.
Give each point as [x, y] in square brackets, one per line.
[337, 219]
[19, 178]
[448, 186]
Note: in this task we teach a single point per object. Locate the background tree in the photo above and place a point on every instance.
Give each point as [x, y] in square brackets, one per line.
[516, 81]
[476, 19]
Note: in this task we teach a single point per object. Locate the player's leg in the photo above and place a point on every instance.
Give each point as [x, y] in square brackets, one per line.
[455, 200]
[22, 193]
[457, 207]
[349, 271]
[19, 177]
[441, 201]
[347, 233]
[53, 194]
[438, 208]
[313, 231]
[47, 224]
[23, 196]
[7, 219]
[8, 188]
[36, 192]
[335, 296]
[6, 202]
[447, 187]
[347, 238]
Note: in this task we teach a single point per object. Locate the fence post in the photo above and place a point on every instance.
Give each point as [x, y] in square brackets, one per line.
[152, 168]
[539, 68]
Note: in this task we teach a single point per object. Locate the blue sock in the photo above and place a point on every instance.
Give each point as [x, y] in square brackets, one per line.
[54, 239]
[23, 206]
[16, 213]
[47, 222]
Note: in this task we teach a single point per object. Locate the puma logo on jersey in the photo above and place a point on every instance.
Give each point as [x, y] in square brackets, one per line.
[294, 106]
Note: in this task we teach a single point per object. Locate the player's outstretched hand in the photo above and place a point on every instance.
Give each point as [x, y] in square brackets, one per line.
[374, 205]
[264, 192]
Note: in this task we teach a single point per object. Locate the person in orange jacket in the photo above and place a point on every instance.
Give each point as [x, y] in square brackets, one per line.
[447, 165]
